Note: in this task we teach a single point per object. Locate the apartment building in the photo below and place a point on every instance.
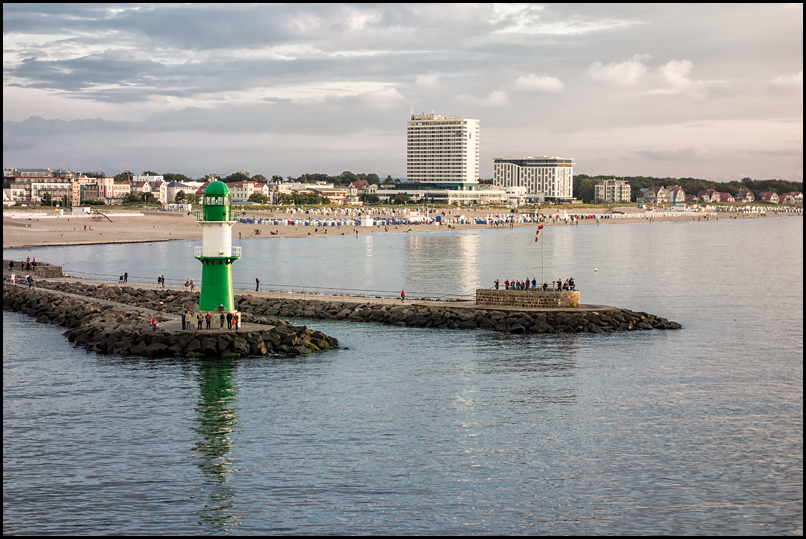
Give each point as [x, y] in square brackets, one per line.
[545, 178]
[613, 191]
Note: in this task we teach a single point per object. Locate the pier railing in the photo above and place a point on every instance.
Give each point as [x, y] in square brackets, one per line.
[291, 291]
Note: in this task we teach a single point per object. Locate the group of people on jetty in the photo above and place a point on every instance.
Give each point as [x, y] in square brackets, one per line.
[28, 265]
[532, 285]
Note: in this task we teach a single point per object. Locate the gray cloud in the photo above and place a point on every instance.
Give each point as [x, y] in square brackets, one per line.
[684, 155]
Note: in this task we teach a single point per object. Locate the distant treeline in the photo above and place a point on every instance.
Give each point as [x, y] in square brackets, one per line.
[345, 178]
[584, 185]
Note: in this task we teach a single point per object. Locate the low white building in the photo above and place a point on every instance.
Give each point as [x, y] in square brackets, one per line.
[419, 192]
[241, 191]
[158, 188]
[147, 178]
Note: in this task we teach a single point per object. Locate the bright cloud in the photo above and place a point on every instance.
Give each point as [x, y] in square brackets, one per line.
[430, 81]
[788, 82]
[676, 73]
[498, 98]
[536, 83]
[627, 73]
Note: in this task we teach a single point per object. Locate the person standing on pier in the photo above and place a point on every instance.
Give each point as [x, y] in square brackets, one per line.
[229, 320]
[125, 276]
[199, 319]
[402, 295]
[257, 284]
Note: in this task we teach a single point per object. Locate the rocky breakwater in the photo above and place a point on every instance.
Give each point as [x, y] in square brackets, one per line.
[115, 329]
[512, 321]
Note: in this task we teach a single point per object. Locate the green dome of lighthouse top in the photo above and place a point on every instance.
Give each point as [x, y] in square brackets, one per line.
[216, 189]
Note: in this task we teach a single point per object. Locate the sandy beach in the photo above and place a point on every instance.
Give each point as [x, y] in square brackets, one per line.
[35, 231]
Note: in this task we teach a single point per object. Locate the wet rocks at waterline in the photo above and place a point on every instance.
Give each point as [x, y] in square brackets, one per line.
[117, 329]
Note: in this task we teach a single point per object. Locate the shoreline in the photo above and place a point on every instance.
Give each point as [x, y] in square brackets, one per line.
[170, 226]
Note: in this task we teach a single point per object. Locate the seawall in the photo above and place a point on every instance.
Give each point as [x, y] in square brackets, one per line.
[42, 269]
[116, 329]
[423, 316]
[538, 299]
[262, 310]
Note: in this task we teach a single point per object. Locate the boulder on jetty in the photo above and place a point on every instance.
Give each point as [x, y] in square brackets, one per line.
[120, 330]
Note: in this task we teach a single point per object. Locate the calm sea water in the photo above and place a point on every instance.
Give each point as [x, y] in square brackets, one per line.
[436, 431]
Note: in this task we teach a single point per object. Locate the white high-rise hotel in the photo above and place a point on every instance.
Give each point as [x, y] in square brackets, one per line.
[550, 178]
[442, 149]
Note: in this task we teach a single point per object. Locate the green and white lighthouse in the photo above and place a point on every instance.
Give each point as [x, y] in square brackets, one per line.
[216, 253]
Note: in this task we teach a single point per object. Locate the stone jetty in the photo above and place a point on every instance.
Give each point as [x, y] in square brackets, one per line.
[123, 328]
[275, 333]
[512, 320]
[263, 310]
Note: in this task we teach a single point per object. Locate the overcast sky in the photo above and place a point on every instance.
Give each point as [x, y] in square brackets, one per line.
[707, 91]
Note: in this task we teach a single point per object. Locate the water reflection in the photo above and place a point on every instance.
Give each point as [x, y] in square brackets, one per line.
[216, 420]
[442, 263]
[468, 266]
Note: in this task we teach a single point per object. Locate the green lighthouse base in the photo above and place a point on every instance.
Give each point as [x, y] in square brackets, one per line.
[216, 289]
[216, 297]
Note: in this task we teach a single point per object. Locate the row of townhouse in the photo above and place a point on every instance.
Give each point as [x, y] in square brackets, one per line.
[657, 194]
[242, 191]
[239, 191]
[745, 195]
[793, 197]
[30, 186]
[674, 194]
[710, 196]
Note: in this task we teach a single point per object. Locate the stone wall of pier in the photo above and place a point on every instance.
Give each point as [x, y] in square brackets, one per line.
[43, 269]
[262, 310]
[528, 299]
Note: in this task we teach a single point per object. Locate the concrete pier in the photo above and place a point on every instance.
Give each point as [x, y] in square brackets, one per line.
[545, 299]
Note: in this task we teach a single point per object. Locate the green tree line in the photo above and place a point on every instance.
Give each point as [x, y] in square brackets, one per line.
[345, 178]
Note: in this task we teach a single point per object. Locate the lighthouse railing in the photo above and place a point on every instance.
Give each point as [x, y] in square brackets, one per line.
[201, 251]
